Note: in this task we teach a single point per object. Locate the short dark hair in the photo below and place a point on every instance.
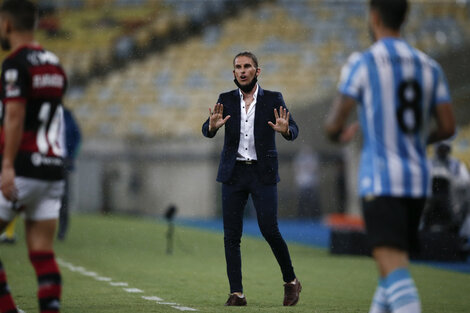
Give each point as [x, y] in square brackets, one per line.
[392, 12]
[247, 54]
[23, 13]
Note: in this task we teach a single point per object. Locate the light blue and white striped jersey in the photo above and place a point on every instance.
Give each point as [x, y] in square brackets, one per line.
[397, 88]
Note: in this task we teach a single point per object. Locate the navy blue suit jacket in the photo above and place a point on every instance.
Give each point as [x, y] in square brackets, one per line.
[265, 144]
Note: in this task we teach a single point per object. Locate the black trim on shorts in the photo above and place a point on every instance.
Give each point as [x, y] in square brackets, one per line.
[393, 221]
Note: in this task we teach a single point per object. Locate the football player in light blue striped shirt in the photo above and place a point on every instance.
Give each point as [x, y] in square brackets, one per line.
[398, 90]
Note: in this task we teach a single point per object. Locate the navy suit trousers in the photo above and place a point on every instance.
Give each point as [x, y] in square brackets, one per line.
[235, 194]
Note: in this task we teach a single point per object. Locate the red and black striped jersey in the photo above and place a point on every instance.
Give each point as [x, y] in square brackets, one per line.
[34, 76]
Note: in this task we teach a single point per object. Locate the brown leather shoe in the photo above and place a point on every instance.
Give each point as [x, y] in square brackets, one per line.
[291, 293]
[234, 300]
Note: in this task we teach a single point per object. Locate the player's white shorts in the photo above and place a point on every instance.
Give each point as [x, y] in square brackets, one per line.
[41, 199]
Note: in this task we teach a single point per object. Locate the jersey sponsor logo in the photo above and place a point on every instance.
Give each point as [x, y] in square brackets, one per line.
[48, 80]
[38, 159]
[42, 57]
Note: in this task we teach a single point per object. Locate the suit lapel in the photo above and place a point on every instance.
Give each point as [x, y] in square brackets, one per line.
[259, 107]
[236, 112]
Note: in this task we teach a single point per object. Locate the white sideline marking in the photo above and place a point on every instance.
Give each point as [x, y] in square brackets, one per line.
[96, 276]
[133, 290]
[63, 263]
[183, 308]
[119, 284]
[153, 298]
[91, 274]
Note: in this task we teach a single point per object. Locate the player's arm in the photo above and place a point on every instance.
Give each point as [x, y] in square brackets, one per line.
[13, 122]
[445, 123]
[335, 125]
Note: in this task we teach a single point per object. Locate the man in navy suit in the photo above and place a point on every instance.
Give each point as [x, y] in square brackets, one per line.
[249, 165]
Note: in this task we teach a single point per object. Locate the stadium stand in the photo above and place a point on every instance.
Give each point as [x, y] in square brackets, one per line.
[461, 145]
[301, 45]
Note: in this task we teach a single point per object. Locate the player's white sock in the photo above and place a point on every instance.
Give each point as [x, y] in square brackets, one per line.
[379, 302]
[401, 292]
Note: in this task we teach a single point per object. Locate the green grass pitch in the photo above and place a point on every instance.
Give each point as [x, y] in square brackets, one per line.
[132, 250]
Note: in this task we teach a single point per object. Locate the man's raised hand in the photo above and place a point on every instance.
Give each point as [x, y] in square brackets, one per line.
[282, 121]
[216, 119]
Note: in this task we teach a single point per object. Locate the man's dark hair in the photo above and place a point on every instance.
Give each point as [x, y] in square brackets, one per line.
[392, 12]
[247, 54]
[22, 12]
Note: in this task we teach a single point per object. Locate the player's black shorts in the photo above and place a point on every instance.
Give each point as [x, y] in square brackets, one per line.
[393, 221]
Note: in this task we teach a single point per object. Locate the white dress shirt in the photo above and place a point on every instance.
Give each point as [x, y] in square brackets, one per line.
[246, 147]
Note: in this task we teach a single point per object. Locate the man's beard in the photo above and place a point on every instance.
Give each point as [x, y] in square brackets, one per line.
[247, 88]
[5, 44]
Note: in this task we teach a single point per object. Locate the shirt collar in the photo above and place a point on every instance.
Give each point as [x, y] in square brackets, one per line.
[255, 95]
[32, 45]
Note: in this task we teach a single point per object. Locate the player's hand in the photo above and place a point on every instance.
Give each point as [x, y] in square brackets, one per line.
[282, 121]
[349, 132]
[216, 119]
[7, 184]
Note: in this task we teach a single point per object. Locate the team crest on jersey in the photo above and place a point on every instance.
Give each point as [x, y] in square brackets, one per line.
[11, 89]
[11, 76]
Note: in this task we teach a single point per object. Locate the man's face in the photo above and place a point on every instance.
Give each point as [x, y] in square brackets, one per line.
[244, 70]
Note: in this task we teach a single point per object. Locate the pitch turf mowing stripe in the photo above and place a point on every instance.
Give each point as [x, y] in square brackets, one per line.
[84, 272]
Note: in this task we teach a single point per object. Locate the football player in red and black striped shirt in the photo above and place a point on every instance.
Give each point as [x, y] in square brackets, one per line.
[31, 147]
